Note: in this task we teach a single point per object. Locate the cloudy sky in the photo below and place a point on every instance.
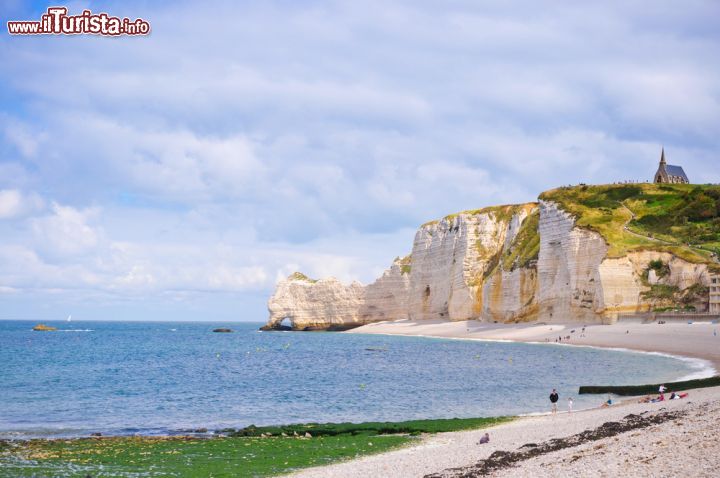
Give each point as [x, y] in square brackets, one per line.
[179, 175]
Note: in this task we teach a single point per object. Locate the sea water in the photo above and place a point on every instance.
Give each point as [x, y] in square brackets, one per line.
[160, 377]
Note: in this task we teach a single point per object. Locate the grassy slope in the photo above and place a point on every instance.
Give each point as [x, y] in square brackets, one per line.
[526, 245]
[680, 219]
[247, 454]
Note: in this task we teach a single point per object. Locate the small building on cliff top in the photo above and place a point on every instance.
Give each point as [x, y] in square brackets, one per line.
[670, 174]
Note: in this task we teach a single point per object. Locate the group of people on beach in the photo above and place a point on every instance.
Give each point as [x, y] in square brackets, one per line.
[567, 337]
[661, 397]
[554, 397]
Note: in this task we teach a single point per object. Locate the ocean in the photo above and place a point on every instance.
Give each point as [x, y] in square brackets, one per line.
[120, 378]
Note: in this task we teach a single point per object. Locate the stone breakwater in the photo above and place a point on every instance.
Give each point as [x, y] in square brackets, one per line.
[507, 264]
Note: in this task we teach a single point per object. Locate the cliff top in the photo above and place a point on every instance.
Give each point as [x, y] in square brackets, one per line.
[502, 213]
[682, 219]
[301, 277]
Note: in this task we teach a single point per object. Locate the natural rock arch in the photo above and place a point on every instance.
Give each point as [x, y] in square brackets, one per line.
[281, 322]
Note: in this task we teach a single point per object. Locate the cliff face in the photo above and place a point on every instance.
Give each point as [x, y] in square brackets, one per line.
[568, 267]
[506, 264]
[443, 278]
[329, 304]
[451, 259]
[313, 304]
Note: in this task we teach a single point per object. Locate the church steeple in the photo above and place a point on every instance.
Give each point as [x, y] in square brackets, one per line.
[667, 173]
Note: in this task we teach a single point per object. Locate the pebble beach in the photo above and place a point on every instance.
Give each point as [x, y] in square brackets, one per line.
[669, 438]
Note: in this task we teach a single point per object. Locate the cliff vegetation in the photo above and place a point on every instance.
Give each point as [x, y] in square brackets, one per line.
[301, 277]
[682, 219]
[526, 246]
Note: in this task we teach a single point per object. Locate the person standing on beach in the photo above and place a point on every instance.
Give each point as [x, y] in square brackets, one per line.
[570, 404]
[554, 397]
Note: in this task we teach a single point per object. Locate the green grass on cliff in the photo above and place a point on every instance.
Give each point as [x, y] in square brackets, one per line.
[526, 246]
[682, 219]
[405, 264]
[247, 454]
[302, 277]
[501, 213]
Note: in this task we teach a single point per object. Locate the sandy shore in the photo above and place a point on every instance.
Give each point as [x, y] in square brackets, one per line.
[683, 442]
[695, 340]
[684, 446]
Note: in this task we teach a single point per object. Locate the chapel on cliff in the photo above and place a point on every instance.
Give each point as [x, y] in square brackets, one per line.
[668, 173]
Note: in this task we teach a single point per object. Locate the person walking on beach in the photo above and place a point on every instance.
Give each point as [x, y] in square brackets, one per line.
[554, 397]
[570, 404]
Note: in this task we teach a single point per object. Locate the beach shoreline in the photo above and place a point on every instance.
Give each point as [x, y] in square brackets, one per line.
[697, 341]
[647, 451]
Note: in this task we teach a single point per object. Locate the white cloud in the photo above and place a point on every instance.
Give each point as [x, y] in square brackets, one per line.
[169, 163]
[66, 232]
[23, 138]
[317, 136]
[10, 203]
[14, 203]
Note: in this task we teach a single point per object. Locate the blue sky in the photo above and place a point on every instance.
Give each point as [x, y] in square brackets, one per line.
[179, 175]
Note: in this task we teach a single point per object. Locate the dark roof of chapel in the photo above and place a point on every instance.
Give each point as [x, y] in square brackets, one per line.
[676, 171]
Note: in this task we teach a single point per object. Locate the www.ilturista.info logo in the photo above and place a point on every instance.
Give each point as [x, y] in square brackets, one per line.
[57, 22]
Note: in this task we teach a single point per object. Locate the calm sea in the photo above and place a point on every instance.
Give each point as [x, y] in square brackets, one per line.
[152, 378]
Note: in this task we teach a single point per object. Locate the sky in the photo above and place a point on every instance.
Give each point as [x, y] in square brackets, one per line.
[180, 175]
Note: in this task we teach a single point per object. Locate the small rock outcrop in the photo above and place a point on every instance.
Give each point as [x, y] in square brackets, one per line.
[44, 328]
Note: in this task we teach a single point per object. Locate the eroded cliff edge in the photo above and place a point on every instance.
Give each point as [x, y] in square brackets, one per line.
[535, 261]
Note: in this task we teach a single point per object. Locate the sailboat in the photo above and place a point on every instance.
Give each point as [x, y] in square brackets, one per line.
[69, 318]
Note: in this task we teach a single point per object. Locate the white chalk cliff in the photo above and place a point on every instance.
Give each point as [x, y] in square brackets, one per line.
[507, 264]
